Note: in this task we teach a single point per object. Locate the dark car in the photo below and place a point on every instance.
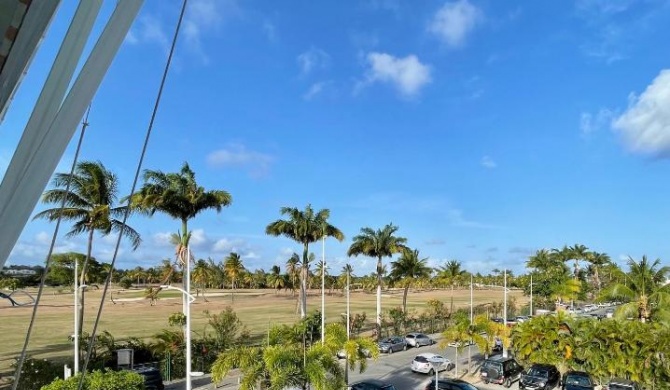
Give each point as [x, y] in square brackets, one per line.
[621, 384]
[152, 378]
[540, 376]
[392, 344]
[500, 370]
[372, 384]
[577, 380]
[418, 339]
[450, 384]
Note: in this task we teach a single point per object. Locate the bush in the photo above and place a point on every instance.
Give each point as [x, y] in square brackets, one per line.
[125, 282]
[99, 380]
[38, 372]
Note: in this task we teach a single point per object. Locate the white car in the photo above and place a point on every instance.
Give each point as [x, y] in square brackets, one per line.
[421, 363]
[456, 344]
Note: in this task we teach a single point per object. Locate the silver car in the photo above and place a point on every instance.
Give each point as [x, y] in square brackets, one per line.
[418, 339]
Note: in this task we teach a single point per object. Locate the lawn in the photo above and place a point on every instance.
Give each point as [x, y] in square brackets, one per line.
[133, 316]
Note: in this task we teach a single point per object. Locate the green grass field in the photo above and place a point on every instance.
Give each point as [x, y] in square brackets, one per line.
[133, 316]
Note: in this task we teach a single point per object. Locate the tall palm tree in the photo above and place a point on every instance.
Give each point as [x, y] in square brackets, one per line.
[90, 202]
[378, 243]
[179, 196]
[451, 272]
[645, 289]
[409, 267]
[276, 279]
[347, 271]
[233, 267]
[304, 227]
[293, 270]
[597, 260]
[202, 276]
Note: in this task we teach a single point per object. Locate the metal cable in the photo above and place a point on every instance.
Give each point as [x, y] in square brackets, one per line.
[132, 191]
[22, 358]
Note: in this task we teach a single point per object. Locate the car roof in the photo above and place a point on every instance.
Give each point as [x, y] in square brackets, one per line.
[375, 382]
[428, 354]
[621, 381]
[500, 358]
[543, 366]
[415, 334]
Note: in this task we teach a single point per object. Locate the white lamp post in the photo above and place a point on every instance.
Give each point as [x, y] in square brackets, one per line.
[436, 362]
[530, 311]
[323, 286]
[505, 312]
[188, 299]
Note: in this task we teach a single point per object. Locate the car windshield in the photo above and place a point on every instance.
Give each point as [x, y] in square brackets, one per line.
[538, 372]
[493, 365]
[410, 336]
[578, 380]
[421, 359]
[387, 341]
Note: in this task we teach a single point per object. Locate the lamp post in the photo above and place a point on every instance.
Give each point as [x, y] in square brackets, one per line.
[436, 362]
[346, 362]
[323, 287]
[471, 323]
[530, 309]
[77, 287]
[187, 300]
[505, 311]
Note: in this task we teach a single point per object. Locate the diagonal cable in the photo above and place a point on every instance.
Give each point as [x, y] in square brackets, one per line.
[132, 191]
[22, 358]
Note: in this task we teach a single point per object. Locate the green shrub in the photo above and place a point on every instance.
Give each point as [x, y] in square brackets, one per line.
[38, 372]
[99, 380]
[125, 282]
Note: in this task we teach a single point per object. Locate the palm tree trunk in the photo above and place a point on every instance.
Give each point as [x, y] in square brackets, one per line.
[303, 282]
[379, 297]
[404, 299]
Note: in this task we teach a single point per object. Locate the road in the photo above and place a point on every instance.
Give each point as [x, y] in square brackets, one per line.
[393, 368]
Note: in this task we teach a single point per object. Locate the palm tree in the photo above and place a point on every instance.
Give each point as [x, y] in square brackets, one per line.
[597, 260]
[202, 276]
[166, 271]
[304, 227]
[378, 243]
[645, 289]
[347, 271]
[286, 363]
[179, 196]
[90, 204]
[293, 270]
[276, 279]
[408, 268]
[459, 333]
[451, 272]
[233, 267]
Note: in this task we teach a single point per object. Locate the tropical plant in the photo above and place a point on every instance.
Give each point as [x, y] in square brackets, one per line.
[644, 290]
[233, 268]
[89, 197]
[201, 276]
[378, 243]
[304, 227]
[284, 362]
[408, 268]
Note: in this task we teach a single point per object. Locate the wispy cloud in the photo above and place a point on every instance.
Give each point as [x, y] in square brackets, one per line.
[270, 30]
[518, 250]
[149, 29]
[435, 241]
[487, 162]
[454, 21]
[237, 155]
[408, 75]
[315, 89]
[313, 59]
[592, 123]
[645, 125]
[457, 218]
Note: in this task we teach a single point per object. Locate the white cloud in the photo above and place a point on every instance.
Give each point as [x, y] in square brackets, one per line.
[589, 123]
[270, 30]
[407, 74]
[237, 155]
[313, 59]
[487, 162]
[645, 125]
[149, 30]
[455, 21]
[456, 217]
[315, 89]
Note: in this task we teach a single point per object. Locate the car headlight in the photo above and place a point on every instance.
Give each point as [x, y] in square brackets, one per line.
[541, 384]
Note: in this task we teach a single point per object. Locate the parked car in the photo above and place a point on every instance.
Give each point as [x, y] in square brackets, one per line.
[421, 363]
[371, 384]
[540, 376]
[152, 378]
[450, 384]
[500, 370]
[418, 339]
[392, 344]
[577, 380]
[457, 344]
[622, 384]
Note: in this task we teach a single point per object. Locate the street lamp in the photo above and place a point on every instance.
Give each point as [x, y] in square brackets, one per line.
[436, 362]
[505, 312]
[77, 287]
[323, 286]
[188, 299]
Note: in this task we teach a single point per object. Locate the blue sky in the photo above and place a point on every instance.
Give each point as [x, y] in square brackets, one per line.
[484, 129]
